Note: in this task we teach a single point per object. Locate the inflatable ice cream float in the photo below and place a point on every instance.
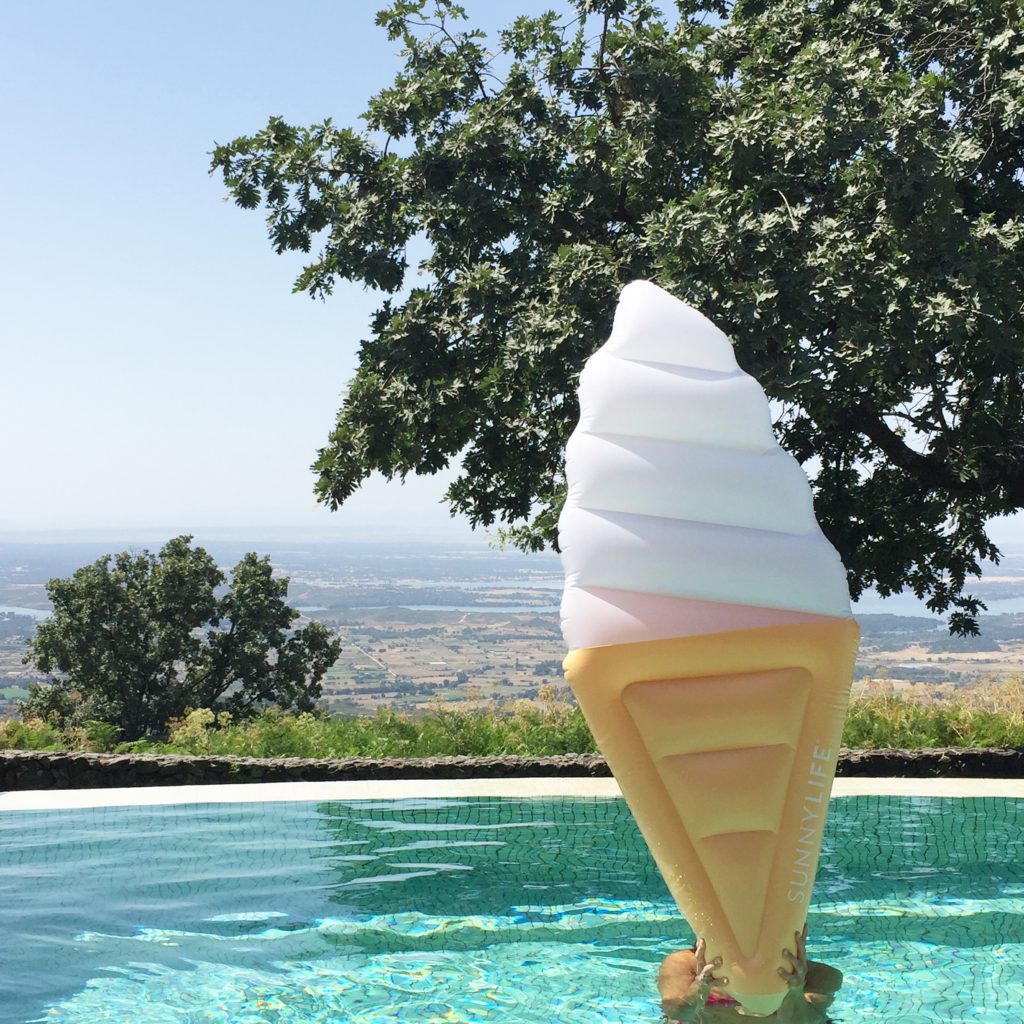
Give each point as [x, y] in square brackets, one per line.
[711, 644]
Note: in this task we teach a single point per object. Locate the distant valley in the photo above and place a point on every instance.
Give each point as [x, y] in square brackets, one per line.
[425, 624]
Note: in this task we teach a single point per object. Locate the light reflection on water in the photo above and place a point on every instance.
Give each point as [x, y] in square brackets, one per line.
[471, 910]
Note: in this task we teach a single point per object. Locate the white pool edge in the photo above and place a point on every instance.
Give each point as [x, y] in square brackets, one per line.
[405, 789]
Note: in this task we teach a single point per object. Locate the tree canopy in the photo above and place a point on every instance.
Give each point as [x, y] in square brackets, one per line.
[136, 639]
[837, 184]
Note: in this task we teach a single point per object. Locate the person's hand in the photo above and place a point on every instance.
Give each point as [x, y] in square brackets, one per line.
[797, 974]
[685, 980]
[704, 978]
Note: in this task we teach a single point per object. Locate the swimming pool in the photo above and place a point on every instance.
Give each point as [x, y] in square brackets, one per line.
[471, 910]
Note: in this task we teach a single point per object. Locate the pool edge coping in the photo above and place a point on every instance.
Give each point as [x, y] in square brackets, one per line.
[425, 789]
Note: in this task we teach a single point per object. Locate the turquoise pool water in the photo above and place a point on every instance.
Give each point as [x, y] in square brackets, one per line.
[421, 911]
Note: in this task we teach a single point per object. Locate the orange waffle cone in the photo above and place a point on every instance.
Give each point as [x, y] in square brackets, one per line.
[725, 746]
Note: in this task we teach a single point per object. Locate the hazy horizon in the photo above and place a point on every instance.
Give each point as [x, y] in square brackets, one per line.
[1007, 532]
[280, 533]
[60, 552]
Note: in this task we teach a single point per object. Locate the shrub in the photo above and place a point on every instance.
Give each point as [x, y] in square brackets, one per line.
[987, 714]
[30, 734]
[990, 713]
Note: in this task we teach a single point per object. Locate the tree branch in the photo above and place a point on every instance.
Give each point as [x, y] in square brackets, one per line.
[920, 465]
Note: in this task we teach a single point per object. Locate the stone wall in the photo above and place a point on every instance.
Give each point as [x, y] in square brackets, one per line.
[21, 769]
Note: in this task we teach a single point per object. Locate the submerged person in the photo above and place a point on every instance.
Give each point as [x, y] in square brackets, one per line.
[689, 993]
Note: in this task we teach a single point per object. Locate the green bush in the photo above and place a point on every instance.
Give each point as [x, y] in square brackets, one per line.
[31, 734]
[896, 721]
[522, 729]
[988, 714]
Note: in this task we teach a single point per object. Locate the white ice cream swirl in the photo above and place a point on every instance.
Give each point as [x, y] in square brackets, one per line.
[683, 513]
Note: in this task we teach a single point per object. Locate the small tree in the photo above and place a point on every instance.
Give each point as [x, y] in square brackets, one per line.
[136, 639]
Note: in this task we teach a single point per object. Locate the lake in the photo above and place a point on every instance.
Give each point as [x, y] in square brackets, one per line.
[35, 613]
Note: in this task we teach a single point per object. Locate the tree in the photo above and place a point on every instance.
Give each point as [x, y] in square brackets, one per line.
[138, 638]
[836, 183]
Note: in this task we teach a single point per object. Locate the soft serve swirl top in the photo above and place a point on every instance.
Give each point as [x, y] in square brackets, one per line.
[678, 490]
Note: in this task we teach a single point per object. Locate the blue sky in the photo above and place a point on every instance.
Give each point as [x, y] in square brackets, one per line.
[155, 370]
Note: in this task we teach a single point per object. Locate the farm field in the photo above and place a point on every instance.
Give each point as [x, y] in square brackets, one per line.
[429, 625]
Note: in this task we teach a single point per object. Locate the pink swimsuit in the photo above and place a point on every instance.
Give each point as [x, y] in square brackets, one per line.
[714, 999]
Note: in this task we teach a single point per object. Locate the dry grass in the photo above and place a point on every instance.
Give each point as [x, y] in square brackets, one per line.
[989, 713]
